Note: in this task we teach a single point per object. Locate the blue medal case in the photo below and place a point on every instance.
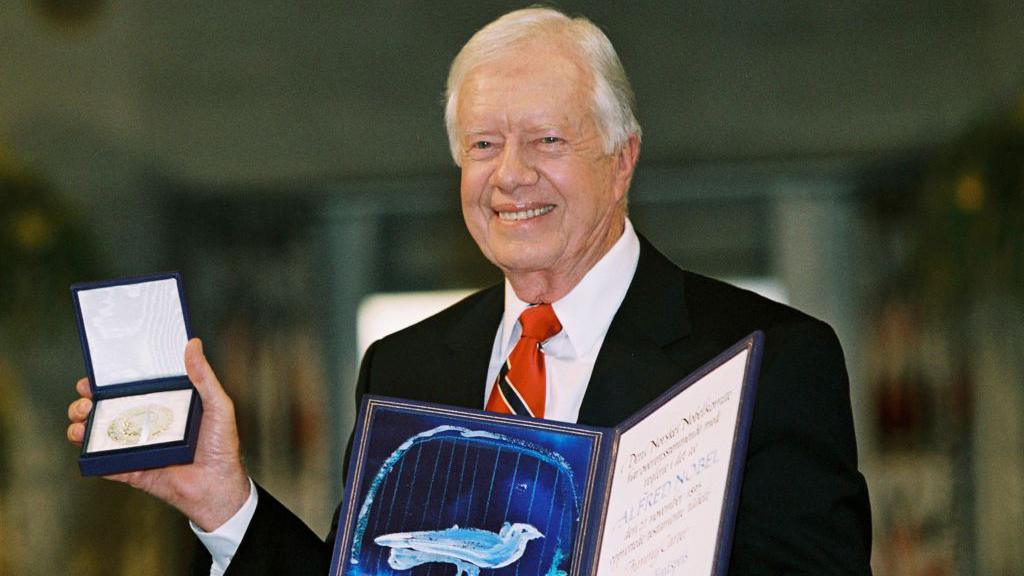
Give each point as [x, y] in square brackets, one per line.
[133, 333]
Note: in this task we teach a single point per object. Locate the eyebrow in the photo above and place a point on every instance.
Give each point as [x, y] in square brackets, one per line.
[476, 131]
[544, 126]
[541, 127]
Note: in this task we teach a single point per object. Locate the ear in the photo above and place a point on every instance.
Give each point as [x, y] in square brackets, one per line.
[625, 163]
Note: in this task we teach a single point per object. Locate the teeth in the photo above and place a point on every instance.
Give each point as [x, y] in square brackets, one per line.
[524, 214]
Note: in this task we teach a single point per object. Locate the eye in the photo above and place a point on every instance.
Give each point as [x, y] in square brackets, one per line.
[481, 145]
[550, 140]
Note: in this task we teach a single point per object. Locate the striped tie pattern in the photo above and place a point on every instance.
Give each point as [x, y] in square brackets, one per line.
[520, 386]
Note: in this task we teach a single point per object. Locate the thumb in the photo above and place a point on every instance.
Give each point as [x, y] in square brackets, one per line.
[201, 374]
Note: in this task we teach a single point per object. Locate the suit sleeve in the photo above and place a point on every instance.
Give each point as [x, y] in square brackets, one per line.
[277, 542]
[804, 506]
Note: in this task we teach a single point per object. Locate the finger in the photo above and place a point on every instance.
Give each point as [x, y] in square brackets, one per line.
[76, 432]
[79, 409]
[130, 478]
[82, 387]
[201, 374]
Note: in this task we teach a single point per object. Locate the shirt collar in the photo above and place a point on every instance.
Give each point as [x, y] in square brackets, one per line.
[587, 310]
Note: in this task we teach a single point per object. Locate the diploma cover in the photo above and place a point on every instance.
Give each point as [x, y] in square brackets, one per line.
[443, 491]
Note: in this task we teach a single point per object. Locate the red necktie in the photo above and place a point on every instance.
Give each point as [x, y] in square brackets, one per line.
[519, 388]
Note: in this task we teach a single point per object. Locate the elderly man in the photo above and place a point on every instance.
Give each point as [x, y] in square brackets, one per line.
[540, 120]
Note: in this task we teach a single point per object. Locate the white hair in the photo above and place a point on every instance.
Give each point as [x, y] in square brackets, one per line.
[613, 99]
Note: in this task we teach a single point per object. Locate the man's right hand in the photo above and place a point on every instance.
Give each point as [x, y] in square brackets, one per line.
[215, 485]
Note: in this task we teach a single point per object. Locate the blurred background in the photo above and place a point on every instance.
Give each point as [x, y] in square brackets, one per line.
[862, 160]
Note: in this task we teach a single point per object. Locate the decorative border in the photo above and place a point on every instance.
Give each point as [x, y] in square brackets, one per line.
[372, 403]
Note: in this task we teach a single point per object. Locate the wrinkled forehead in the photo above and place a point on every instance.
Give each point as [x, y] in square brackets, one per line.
[535, 80]
[536, 46]
[537, 58]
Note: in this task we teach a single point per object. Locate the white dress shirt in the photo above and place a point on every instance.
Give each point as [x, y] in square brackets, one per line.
[223, 542]
[585, 313]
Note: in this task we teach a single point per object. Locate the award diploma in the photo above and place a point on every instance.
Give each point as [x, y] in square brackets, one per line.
[671, 481]
[442, 490]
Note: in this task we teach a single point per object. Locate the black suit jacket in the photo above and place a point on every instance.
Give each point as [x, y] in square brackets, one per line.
[803, 507]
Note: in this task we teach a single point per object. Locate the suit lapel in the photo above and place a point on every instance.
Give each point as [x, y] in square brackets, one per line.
[471, 340]
[634, 365]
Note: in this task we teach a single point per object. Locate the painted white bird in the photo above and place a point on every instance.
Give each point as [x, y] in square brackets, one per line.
[468, 549]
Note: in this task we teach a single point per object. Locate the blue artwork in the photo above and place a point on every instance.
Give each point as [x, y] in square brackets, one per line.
[483, 496]
[469, 549]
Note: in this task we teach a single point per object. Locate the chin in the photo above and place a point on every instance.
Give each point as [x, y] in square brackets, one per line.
[521, 261]
[524, 252]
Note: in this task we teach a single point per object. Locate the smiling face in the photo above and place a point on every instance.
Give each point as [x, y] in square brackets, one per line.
[539, 195]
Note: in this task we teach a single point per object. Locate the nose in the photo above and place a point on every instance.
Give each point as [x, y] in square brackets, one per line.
[515, 168]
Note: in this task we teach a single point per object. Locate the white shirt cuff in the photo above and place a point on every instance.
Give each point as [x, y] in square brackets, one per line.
[223, 542]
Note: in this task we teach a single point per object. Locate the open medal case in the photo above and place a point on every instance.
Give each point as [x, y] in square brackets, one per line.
[146, 412]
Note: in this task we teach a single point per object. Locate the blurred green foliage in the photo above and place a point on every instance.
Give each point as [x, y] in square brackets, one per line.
[43, 249]
[971, 229]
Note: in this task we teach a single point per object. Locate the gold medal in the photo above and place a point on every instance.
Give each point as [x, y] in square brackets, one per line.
[140, 425]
